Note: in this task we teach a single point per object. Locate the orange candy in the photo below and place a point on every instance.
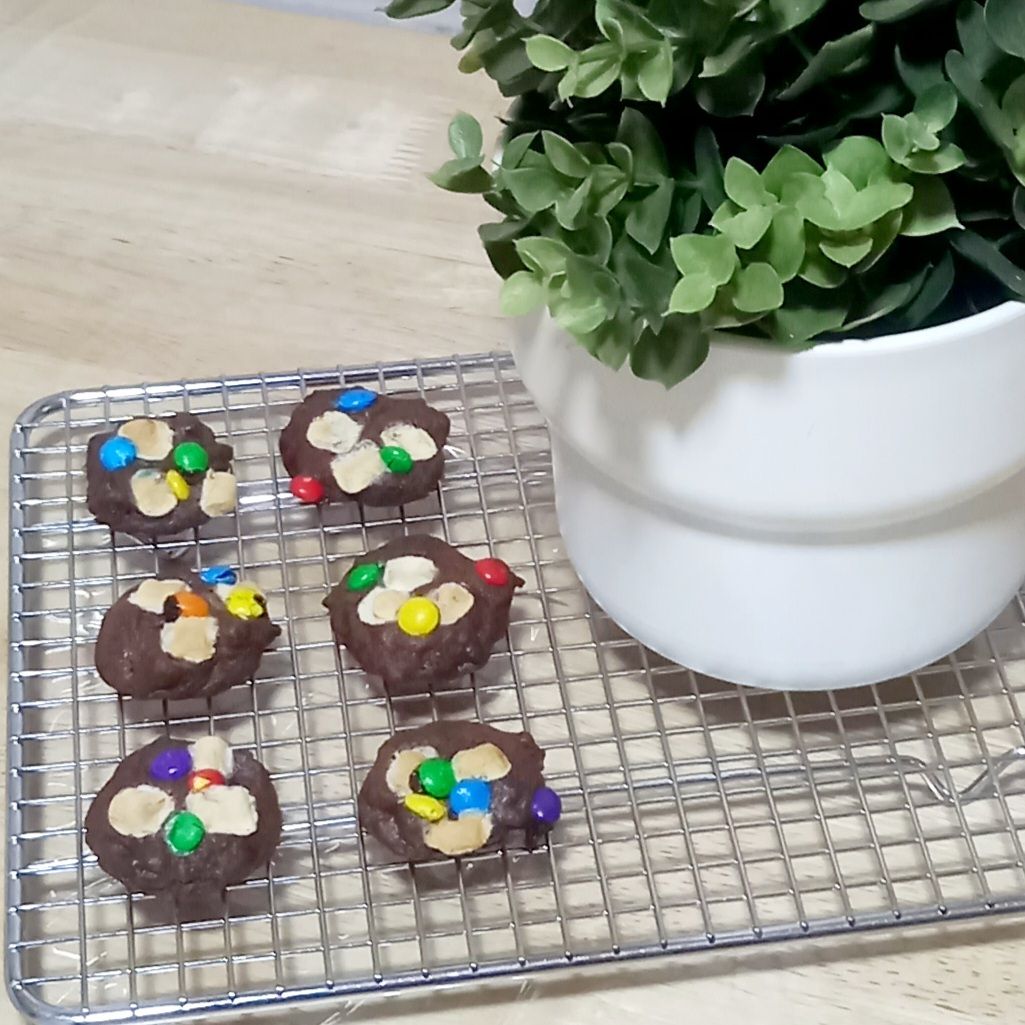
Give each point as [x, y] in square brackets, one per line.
[190, 604]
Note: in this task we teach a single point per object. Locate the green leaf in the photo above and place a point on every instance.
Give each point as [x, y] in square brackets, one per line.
[710, 172]
[609, 186]
[982, 53]
[649, 158]
[919, 78]
[792, 13]
[713, 255]
[980, 99]
[1005, 20]
[672, 354]
[937, 106]
[516, 148]
[549, 53]
[744, 228]
[564, 156]
[785, 163]
[534, 188]
[579, 317]
[465, 176]
[808, 313]
[646, 283]
[656, 75]
[836, 57]
[592, 73]
[694, 293]
[884, 233]
[944, 160]
[859, 159]
[988, 256]
[1013, 103]
[783, 246]
[938, 283]
[895, 10]
[570, 208]
[522, 293]
[546, 256]
[1018, 206]
[646, 222]
[886, 299]
[931, 210]
[743, 184]
[415, 8]
[465, 137]
[822, 272]
[732, 95]
[757, 289]
[896, 137]
[846, 252]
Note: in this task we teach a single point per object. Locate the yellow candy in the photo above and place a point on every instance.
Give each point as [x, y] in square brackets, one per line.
[425, 807]
[243, 601]
[418, 617]
[178, 485]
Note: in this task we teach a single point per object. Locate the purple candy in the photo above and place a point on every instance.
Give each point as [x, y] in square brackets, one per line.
[171, 764]
[546, 806]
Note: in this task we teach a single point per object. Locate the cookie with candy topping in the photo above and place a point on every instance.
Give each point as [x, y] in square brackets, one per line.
[182, 635]
[452, 788]
[155, 476]
[352, 444]
[185, 820]
[416, 612]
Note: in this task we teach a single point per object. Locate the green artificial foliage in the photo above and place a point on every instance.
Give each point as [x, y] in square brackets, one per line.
[791, 170]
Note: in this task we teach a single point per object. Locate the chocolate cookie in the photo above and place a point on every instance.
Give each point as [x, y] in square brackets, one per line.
[185, 820]
[158, 476]
[180, 635]
[416, 612]
[355, 445]
[452, 788]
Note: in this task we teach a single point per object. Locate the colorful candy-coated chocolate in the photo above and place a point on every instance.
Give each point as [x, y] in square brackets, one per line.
[191, 604]
[355, 400]
[397, 459]
[214, 575]
[470, 795]
[493, 572]
[191, 457]
[418, 617]
[116, 453]
[425, 807]
[545, 806]
[178, 484]
[183, 832]
[203, 778]
[436, 777]
[172, 763]
[245, 603]
[307, 489]
[364, 576]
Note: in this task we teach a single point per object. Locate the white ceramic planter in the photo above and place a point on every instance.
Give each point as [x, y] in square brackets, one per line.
[796, 521]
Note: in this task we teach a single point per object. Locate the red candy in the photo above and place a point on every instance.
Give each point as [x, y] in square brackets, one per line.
[493, 572]
[203, 778]
[307, 489]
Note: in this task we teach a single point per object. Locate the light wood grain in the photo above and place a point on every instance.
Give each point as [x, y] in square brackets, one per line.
[197, 187]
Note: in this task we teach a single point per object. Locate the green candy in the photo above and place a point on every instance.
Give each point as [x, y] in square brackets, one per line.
[184, 832]
[362, 578]
[398, 460]
[191, 457]
[436, 777]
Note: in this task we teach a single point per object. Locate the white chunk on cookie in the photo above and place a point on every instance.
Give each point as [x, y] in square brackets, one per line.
[190, 638]
[403, 765]
[415, 440]
[453, 601]
[219, 494]
[357, 470]
[230, 810]
[408, 572]
[485, 761]
[152, 494]
[153, 439]
[459, 836]
[380, 606]
[212, 753]
[334, 432]
[150, 595]
[139, 811]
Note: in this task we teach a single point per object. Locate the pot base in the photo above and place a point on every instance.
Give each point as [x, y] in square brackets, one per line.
[788, 612]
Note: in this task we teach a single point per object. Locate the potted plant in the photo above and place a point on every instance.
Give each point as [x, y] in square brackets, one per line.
[778, 250]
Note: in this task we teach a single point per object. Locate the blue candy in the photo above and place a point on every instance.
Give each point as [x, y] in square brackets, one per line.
[116, 453]
[470, 795]
[214, 575]
[355, 400]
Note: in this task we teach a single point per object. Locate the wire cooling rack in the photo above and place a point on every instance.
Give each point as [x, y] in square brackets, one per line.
[697, 814]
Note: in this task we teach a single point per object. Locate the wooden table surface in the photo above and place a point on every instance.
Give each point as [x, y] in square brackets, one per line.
[193, 187]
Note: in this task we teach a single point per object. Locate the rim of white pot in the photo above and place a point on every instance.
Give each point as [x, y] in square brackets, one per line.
[949, 333]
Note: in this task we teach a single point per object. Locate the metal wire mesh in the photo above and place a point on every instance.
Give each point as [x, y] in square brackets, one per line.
[697, 814]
